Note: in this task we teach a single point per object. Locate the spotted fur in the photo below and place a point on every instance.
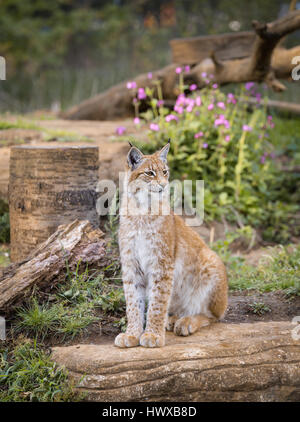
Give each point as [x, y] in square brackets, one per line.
[163, 261]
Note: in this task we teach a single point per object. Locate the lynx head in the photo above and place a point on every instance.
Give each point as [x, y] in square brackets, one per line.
[148, 173]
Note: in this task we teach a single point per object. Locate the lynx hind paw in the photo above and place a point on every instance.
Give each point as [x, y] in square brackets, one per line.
[126, 340]
[152, 340]
[185, 326]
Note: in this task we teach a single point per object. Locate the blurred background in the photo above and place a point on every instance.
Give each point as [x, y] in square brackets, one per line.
[61, 52]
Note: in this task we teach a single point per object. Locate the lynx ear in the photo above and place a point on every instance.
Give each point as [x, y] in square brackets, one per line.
[134, 158]
[164, 151]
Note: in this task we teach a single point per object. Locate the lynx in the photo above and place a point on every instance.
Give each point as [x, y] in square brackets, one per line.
[163, 260]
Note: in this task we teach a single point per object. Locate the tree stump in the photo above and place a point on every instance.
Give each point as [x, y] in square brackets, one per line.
[49, 186]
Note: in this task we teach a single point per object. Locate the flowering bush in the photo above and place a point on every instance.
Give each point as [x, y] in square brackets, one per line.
[215, 138]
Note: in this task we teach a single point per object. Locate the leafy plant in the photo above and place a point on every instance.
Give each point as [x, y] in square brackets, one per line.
[259, 308]
[215, 138]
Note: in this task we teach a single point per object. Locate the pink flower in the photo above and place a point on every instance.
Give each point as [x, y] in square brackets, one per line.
[178, 70]
[249, 85]
[178, 108]
[141, 94]
[231, 98]
[193, 87]
[198, 101]
[198, 135]
[120, 130]
[227, 138]
[136, 120]
[154, 127]
[247, 128]
[187, 68]
[221, 121]
[215, 86]
[205, 145]
[160, 103]
[171, 117]
[210, 106]
[180, 99]
[220, 104]
[262, 159]
[131, 85]
[203, 74]
[149, 75]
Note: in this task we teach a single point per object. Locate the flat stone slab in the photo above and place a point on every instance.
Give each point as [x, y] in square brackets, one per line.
[223, 362]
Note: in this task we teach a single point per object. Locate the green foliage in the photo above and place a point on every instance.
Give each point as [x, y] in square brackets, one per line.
[259, 308]
[4, 222]
[216, 139]
[28, 374]
[74, 307]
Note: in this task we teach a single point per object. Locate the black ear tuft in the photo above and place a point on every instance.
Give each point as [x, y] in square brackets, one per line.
[134, 158]
[130, 144]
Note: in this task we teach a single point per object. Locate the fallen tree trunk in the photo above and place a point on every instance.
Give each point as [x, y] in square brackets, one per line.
[117, 102]
[71, 244]
[256, 59]
[282, 106]
[223, 362]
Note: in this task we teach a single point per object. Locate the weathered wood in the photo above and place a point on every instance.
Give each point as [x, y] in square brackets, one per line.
[261, 63]
[46, 265]
[49, 186]
[223, 362]
[282, 106]
[226, 47]
[116, 102]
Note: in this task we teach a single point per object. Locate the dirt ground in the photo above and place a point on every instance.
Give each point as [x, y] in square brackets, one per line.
[281, 308]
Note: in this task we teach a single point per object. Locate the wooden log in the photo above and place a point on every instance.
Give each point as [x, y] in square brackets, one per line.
[260, 63]
[46, 265]
[49, 186]
[226, 47]
[116, 102]
[224, 362]
[282, 106]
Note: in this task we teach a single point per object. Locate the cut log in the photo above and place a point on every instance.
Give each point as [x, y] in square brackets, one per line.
[223, 362]
[49, 186]
[72, 243]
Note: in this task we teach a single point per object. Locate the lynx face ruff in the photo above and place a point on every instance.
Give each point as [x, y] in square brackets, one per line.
[163, 261]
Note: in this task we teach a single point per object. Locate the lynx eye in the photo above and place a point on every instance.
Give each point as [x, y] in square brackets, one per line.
[165, 172]
[150, 173]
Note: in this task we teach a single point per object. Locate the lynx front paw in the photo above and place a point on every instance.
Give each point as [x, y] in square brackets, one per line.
[185, 326]
[171, 322]
[126, 340]
[152, 340]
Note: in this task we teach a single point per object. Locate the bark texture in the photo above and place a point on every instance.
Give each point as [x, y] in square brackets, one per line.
[75, 242]
[49, 186]
[224, 362]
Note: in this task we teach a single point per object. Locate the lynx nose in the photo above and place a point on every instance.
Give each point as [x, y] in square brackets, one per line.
[161, 186]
